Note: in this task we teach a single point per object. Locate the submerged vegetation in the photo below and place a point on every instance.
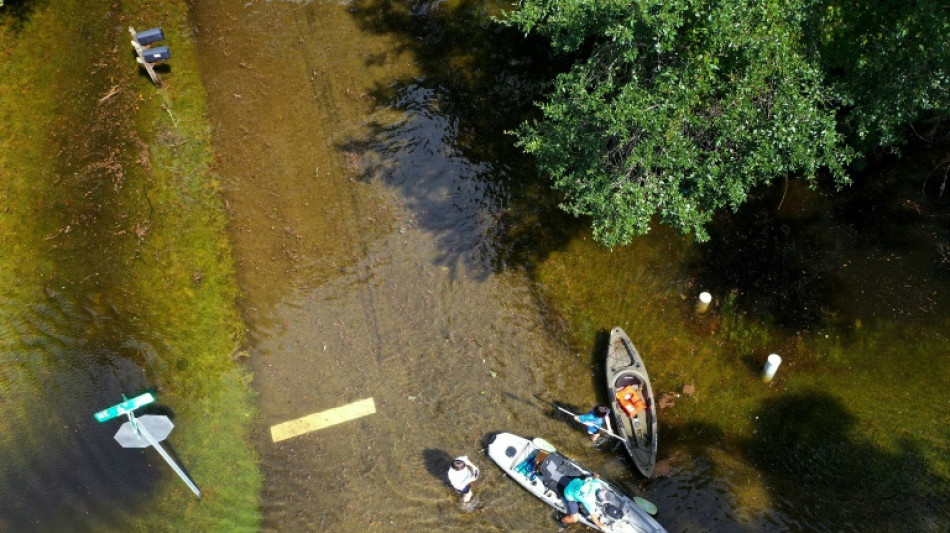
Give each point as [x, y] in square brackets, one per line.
[855, 421]
[110, 205]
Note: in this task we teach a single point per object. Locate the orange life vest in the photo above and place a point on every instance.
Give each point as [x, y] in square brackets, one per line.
[630, 400]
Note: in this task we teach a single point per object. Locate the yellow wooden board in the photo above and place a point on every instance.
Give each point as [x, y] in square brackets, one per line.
[323, 419]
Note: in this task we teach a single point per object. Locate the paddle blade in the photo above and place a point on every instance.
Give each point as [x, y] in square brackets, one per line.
[542, 444]
[646, 505]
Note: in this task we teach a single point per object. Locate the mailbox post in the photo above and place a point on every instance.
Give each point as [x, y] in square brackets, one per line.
[147, 55]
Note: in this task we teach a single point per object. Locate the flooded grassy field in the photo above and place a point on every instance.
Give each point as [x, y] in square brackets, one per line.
[852, 432]
[116, 278]
[390, 244]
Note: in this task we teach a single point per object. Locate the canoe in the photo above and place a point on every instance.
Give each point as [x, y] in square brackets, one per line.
[625, 367]
[544, 472]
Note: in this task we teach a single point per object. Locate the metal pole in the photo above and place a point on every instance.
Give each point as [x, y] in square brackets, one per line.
[168, 459]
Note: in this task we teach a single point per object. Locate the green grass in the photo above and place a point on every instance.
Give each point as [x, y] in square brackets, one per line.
[107, 191]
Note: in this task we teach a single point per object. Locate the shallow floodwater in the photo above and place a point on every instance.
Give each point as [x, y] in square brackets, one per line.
[379, 288]
[70, 343]
[383, 237]
[362, 235]
[62, 473]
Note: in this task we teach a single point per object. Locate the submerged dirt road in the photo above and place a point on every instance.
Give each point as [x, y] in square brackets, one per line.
[361, 238]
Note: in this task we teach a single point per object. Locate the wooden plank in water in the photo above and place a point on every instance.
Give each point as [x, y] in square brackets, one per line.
[323, 419]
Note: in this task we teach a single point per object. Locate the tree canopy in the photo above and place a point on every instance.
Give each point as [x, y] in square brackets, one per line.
[887, 63]
[677, 108]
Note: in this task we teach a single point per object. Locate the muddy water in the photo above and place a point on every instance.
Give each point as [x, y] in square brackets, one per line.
[359, 234]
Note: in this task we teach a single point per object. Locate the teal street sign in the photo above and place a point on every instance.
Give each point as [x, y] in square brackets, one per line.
[144, 431]
[125, 407]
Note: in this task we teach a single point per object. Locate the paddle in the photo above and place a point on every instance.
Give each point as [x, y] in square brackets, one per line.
[646, 505]
[556, 406]
[543, 445]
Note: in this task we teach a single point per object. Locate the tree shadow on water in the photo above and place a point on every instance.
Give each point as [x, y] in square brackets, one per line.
[449, 156]
[810, 449]
[817, 469]
[815, 258]
[771, 266]
[686, 485]
[67, 468]
[15, 13]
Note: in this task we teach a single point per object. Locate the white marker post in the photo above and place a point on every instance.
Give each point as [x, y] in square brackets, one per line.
[703, 304]
[145, 431]
[771, 366]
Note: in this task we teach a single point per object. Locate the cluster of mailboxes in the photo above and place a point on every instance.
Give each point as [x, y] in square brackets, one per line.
[153, 54]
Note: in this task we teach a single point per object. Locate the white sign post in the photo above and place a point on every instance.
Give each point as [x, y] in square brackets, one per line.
[144, 431]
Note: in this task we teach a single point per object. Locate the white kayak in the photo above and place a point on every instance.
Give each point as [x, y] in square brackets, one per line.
[544, 472]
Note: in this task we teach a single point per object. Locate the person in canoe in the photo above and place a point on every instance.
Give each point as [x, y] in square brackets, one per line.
[582, 491]
[630, 400]
[462, 474]
[595, 419]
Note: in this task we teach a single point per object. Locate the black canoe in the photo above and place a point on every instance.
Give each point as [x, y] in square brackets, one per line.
[625, 367]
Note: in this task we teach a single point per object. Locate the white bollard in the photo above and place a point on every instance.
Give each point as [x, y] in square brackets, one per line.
[703, 304]
[771, 365]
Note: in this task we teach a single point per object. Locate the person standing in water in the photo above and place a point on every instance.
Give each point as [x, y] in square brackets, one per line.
[594, 420]
[462, 474]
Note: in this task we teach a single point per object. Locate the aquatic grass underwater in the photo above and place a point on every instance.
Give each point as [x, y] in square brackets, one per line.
[109, 196]
[856, 416]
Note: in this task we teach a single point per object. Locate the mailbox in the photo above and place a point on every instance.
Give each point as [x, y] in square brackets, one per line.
[150, 36]
[159, 53]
